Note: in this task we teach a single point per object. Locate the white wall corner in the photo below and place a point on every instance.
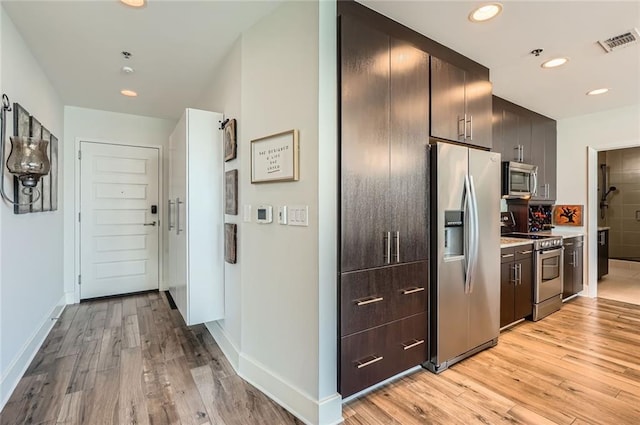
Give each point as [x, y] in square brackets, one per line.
[69, 297]
[19, 365]
[229, 349]
[327, 411]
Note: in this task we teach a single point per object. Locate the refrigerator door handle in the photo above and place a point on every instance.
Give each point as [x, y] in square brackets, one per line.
[475, 240]
[468, 206]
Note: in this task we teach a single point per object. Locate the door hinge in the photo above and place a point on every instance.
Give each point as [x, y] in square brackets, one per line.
[79, 154]
[79, 279]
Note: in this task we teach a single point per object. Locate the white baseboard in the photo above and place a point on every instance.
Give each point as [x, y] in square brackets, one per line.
[70, 297]
[327, 411]
[229, 349]
[20, 364]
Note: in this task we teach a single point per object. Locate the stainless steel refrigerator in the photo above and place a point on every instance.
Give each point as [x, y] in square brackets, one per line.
[465, 253]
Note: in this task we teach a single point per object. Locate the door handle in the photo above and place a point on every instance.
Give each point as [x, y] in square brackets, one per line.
[470, 122]
[153, 223]
[463, 133]
[397, 238]
[178, 203]
[169, 225]
[386, 256]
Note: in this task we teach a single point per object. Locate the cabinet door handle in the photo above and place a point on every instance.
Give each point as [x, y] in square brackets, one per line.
[526, 252]
[470, 122]
[507, 255]
[397, 238]
[568, 244]
[515, 274]
[369, 300]
[414, 343]
[169, 225]
[412, 290]
[462, 133]
[386, 256]
[178, 203]
[519, 273]
[375, 359]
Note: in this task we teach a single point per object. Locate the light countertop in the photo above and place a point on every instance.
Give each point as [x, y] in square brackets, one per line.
[507, 242]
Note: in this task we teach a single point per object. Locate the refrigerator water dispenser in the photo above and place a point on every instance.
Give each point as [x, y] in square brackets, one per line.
[453, 233]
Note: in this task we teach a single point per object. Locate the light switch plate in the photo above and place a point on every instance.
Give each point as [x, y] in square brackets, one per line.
[298, 215]
[282, 214]
[246, 214]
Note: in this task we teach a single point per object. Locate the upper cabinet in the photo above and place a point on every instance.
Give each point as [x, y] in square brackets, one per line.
[385, 113]
[460, 105]
[524, 136]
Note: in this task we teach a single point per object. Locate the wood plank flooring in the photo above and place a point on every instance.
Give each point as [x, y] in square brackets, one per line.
[132, 360]
[578, 366]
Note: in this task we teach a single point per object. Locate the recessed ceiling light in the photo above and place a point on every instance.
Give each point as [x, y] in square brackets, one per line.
[127, 70]
[486, 12]
[598, 91]
[133, 3]
[128, 93]
[553, 63]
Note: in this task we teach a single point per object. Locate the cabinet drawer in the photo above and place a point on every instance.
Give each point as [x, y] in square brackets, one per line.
[523, 252]
[376, 354]
[374, 297]
[507, 255]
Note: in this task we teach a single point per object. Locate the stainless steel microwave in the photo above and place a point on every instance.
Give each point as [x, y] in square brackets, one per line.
[519, 180]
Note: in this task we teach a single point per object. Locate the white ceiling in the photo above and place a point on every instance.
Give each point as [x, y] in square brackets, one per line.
[178, 44]
[176, 47]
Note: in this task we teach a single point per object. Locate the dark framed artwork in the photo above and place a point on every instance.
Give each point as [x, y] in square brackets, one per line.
[230, 140]
[36, 133]
[21, 128]
[45, 199]
[231, 192]
[53, 174]
[230, 241]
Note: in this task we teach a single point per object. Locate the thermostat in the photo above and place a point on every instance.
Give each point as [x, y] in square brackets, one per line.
[264, 214]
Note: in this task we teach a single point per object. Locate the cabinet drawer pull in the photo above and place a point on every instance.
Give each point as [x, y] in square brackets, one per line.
[375, 359]
[507, 255]
[412, 290]
[568, 244]
[526, 252]
[370, 300]
[414, 343]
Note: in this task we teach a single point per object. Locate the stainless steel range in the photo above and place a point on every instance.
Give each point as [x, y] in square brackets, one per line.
[547, 272]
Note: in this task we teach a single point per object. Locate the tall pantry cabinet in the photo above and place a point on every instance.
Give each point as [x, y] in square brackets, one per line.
[384, 226]
[195, 220]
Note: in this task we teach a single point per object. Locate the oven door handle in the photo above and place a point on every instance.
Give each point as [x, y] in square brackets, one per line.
[550, 253]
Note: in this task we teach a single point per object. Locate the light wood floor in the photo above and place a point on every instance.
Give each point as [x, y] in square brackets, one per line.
[622, 283]
[578, 366]
[132, 360]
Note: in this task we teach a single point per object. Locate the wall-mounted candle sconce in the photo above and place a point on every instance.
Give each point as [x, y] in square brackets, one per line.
[28, 160]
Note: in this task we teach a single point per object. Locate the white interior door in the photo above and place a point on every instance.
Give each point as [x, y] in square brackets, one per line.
[118, 231]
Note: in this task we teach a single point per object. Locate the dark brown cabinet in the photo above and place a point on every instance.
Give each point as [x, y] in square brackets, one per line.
[460, 105]
[573, 266]
[524, 136]
[603, 253]
[516, 284]
[385, 119]
[384, 227]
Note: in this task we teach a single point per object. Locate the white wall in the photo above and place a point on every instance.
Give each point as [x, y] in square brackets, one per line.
[95, 125]
[31, 282]
[223, 95]
[280, 324]
[580, 138]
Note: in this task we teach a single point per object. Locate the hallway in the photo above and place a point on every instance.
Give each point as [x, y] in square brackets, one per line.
[132, 360]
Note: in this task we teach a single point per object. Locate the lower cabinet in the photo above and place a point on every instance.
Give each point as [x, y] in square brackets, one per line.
[383, 323]
[573, 266]
[371, 356]
[603, 253]
[516, 283]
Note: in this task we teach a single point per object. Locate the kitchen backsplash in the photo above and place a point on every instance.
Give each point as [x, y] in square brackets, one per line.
[540, 217]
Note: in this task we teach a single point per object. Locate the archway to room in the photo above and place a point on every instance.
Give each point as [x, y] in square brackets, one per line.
[614, 206]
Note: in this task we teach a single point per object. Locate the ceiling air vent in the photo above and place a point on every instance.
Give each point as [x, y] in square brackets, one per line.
[619, 41]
